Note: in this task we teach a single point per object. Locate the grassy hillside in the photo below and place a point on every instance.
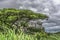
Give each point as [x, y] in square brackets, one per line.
[11, 30]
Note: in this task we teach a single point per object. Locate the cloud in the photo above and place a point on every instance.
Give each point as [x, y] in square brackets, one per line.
[8, 4]
[2, 0]
[56, 2]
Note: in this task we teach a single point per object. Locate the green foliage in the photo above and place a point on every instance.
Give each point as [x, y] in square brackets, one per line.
[11, 18]
[32, 29]
[8, 16]
[10, 35]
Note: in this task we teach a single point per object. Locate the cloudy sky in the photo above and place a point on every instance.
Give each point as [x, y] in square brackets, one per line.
[14, 3]
[8, 4]
[56, 1]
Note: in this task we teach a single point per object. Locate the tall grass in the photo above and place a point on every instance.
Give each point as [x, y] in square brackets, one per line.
[10, 35]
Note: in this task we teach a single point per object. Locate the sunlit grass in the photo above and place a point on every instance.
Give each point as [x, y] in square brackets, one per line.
[10, 35]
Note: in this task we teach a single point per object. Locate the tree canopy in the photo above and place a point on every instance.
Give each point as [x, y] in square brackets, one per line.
[9, 16]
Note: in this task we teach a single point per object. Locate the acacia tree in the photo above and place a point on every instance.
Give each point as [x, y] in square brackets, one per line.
[9, 16]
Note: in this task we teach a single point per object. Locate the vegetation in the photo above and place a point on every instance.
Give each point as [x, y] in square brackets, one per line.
[14, 23]
[22, 36]
[8, 17]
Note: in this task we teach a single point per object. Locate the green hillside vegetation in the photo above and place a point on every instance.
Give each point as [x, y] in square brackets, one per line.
[11, 27]
[9, 16]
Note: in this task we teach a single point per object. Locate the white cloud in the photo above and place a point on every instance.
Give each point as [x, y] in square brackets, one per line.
[56, 1]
